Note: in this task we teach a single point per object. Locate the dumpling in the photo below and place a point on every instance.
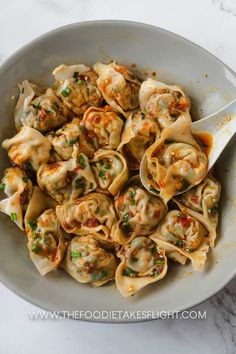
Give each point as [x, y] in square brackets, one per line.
[28, 149]
[88, 260]
[41, 111]
[76, 87]
[93, 213]
[164, 102]
[64, 180]
[203, 202]
[64, 139]
[142, 263]
[183, 233]
[118, 85]
[175, 161]
[110, 170]
[140, 131]
[18, 189]
[101, 128]
[139, 212]
[47, 241]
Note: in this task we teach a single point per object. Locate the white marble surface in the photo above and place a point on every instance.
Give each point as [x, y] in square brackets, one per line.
[211, 24]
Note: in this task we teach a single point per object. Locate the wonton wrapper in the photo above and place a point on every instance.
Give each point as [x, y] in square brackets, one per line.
[18, 188]
[88, 260]
[110, 170]
[118, 85]
[176, 160]
[42, 112]
[139, 212]
[202, 201]
[142, 263]
[28, 148]
[42, 225]
[64, 180]
[64, 139]
[183, 233]
[76, 87]
[93, 213]
[140, 131]
[164, 102]
[101, 128]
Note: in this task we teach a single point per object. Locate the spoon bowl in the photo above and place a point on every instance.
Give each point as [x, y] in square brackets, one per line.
[220, 125]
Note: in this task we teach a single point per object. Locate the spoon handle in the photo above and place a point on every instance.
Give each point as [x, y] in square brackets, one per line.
[222, 126]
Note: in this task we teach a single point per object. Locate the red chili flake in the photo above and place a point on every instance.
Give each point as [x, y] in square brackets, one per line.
[194, 199]
[43, 114]
[76, 169]
[184, 220]
[95, 119]
[131, 214]
[56, 255]
[156, 214]
[161, 184]
[93, 222]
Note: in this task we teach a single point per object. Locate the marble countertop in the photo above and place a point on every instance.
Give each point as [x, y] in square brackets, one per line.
[209, 23]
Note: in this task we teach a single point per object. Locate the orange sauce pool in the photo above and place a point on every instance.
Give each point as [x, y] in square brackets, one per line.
[205, 140]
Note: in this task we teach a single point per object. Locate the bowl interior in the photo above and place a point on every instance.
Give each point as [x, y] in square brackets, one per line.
[156, 53]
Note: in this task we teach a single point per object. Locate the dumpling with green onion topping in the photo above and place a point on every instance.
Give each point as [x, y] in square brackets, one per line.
[164, 102]
[140, 131]
[18, 188]
[64, 180]
[139, 212]
[93, 213]
[28, 149]
[89, 260]
[203, 200]
[142, 263]
[38, 110]
[100, 128]
[181, 232]
[65, 138]
[118, 85]
[76, 87]
[110, 170]
[47, 241]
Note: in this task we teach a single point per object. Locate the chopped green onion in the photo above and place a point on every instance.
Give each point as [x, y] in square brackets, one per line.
[80, 82]
[80, 182]
[29, 167]
[32, 224]
[83, 128]
[117, 157]
[143, 115]
[134, 259]
[36, 104]
[107, 166]
[179, 243]
[22, 90]
[25, 179]
[101, 162]
[73, 141]
[13, 216]
[214, 210]
[153, 250]
[81, 161]
[90, 185]
[91, 142]
[191, 250]
[103, 273]
[76, 254]
[132, 201]
[2, 186]
[97, 211]
[126, 217]
[154, 190]
[75, 75]
[126, 228]
[35, 249]
[168, 141]
[66, 92]
[102, 174]
[128, 272]
[159, 262]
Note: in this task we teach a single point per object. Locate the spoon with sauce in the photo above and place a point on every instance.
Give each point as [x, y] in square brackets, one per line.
[213, 134]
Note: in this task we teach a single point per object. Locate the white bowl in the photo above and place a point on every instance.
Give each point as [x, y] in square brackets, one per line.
[209, 83]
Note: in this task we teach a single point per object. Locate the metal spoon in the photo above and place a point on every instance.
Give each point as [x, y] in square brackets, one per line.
[220, 125]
